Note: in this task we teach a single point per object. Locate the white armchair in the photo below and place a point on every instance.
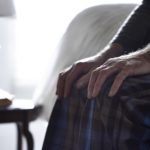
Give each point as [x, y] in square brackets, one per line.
[88, 33]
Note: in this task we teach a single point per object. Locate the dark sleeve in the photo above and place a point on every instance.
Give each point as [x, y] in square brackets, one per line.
[135, 32]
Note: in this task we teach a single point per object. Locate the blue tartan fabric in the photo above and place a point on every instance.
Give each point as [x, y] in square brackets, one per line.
[103, 123]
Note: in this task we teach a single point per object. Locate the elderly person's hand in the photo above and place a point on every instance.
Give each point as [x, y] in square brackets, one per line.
[135, 63]
[79, 73]
[70, 75]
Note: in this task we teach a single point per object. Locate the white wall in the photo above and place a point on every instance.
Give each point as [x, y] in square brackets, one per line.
[7, 46]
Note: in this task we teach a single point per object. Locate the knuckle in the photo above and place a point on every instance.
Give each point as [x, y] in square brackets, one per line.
[110, 60]
[62, 75]
[94, 72]
[78, 64]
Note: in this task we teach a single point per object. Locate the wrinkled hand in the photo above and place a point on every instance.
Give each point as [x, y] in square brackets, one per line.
[71, 75]
[123, 66]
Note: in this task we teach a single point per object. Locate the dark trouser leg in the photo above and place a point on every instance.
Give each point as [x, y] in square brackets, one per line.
[104, 123]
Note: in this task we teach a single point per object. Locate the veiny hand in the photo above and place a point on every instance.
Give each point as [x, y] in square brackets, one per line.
[79, 73]
[123, 66]
[71, 75]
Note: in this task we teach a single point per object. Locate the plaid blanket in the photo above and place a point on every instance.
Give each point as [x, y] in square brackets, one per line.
[118, 123]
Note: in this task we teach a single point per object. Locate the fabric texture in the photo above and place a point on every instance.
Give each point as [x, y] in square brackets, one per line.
[121, 122]
[135, 32]
[103, 123]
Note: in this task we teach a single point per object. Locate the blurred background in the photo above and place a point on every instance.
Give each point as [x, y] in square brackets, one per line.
[30, 31]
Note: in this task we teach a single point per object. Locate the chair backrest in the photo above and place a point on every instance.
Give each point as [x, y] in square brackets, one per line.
[88, 33]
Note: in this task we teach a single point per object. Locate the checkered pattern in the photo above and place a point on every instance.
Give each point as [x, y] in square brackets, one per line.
[103, 123]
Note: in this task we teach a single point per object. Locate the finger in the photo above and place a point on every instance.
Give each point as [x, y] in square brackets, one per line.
[60, 84]
[118, 82]
[83, 81]
[91, 84]
[71, 77]
[98, 84]
[103, 75]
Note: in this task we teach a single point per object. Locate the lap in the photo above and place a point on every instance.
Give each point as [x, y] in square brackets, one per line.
[121, 122]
